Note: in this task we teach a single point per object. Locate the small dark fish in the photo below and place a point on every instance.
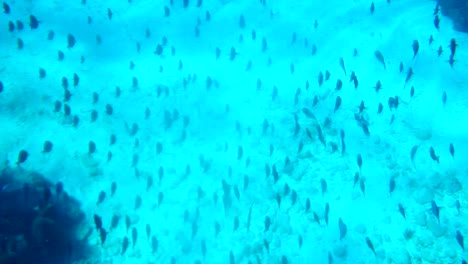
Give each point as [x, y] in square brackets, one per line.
[114, 222]
[343, 228]
[378, 54]
[11, 26]
[370, 245]
[91, 147]
[320, 79]
[436, 9]
[97, 221]
[342, 65]
[47, 147]
[6, 8]
[113, 188]
[402, 211]
[109, 13]
[326, 213]
[154, 244]
[33, 22]
[308, 113]
[434, 157]
[323, 186]
[315, 102]
[102, 235]
[137, 202]
[391, 185]
[401, 67]
[232, 54]
[414, 149]
[380, 108]
[415, 48]
[372, 8]
[453, 46]
[316, 217]
[232, 260]
[355, 81]
[451, 60]
[431, 39]
[134, 236]
[22, 156]
[127, 222]
[440, 51]
[457, 205]
[249, 216]
[307, 205]
[409, 75]
[337, 103]
[240, 152]
[42, 73]
[339, 85]
[19, 25]
[167, 11]
[436, 21]
[320, 135]
[327, 75]
[362, 185]
[267, 223]
[359, 161]
[459, 238]
[444, 97]
[435, 210]
[125, 244]
[20, 44]
[71, 41]
[452, 150]
[412, 91]
[378, 86]
[101, 197]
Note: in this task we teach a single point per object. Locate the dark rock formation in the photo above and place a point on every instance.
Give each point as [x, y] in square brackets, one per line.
[39, 222]
[457, 10]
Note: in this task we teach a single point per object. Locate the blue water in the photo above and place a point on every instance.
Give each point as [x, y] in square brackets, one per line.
[234, 142]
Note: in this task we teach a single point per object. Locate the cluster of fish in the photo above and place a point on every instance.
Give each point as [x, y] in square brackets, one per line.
[309, 130]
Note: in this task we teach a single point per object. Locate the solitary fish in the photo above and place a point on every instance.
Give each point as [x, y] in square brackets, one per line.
[33, 22]
[391, 185]
[359, 161]
[409, 75]
[124, 245]
[414, 149]
[452, 150]
[308, 113]
[22, 156]
[459, 238]
[402, 211]
[370, 245]
[327, 211]
[342, 65]
[415, 48]
[453, 46]
[380, 58]
[435, 210]
[337, 103]
[343, 228]
[378, 86]
[434, 157]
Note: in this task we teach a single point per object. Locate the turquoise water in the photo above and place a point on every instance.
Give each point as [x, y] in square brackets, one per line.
[234, 131]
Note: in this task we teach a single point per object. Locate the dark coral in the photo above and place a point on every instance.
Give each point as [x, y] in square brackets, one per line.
[39, 223]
